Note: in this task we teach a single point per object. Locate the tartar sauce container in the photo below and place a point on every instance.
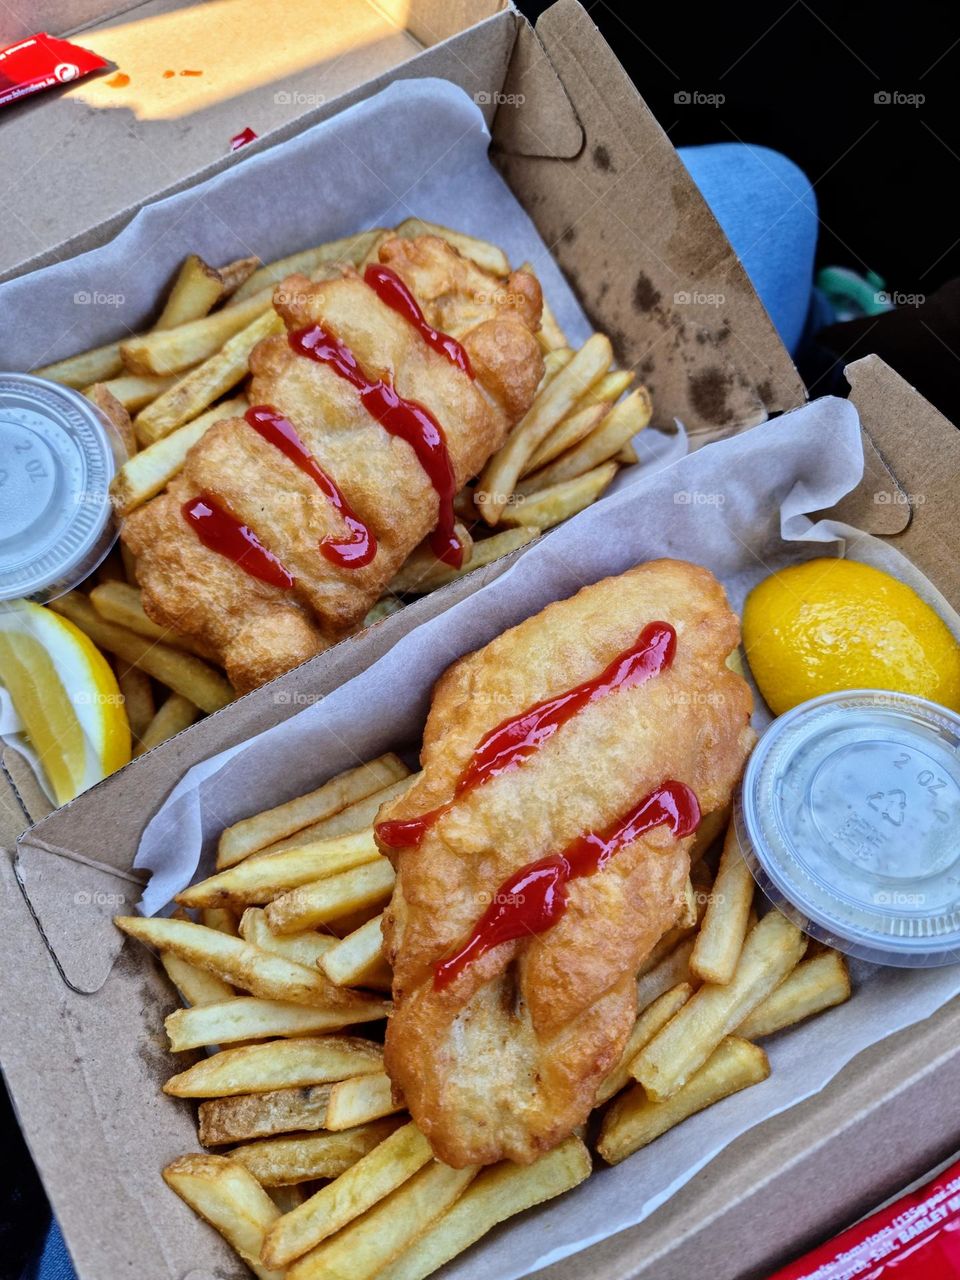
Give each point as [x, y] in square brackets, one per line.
[849, 818]
[58, 454]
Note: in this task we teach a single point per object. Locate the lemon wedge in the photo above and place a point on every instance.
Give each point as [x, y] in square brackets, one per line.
[66, 695]
[827, 625]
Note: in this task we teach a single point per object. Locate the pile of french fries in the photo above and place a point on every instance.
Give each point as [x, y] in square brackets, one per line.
[186, 374]
[316, 1172]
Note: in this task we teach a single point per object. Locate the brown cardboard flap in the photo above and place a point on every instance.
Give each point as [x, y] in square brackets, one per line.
[877, 505]
[13, 814]
[921, 449]
[535, 117]
[73, 902]
[648, 259]
[33, 800]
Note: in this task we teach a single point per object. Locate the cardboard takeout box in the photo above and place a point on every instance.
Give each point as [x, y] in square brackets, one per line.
[80, 1019]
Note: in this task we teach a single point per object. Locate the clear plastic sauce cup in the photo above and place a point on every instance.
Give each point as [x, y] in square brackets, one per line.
[58, 454]
[849, 818]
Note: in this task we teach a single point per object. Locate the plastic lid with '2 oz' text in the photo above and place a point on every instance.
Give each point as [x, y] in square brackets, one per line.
[849, 818]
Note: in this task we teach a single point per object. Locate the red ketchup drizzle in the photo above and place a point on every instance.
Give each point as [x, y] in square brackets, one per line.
[223, 533]
[535, 897]
[390, 289]
[352, 552]
[518, 738]
[404, 418]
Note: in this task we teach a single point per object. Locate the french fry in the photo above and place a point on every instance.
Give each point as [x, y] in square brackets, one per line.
[551, 336]
[199, 388]
[815, 984]
[196, 986]
[83, 370]
[485, 551]
[357, 960]
[172, 351]
[772, 948]
[496, 1194]
[635, 1119]
[333, 898]
[679, 933]
[137, 699]
[350, 249]
[689, 914]
[620, 425]
[626, 456]
[724, 927]
[196, 290]
[371, 1179]
[144, 474]
[221, 918]
[176, 714]
[610, 388]
[121, 603]
[306, 948]
[363, 1248]
[551, 405]
[228, 1196]
[568, 432]
[259, 1115]
[360, 1100]
[115, 413]
[422, 565]
[249, 1018]
[673, 968]
[385, 607]
[278, 1162]
[482, 252]
[181, 672]
[652, 1020]
[265, 877]
[236, 961]
[353, 818]
[237, 273]
[278, 1064]
[553, 362]
[287, 1197]
[548, 507]
[134, 390]
[250, 834]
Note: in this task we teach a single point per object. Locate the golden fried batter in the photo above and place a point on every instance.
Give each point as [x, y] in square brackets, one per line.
[259, 631]
[505, 1061]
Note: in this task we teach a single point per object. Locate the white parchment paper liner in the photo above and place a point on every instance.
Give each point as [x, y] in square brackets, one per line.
[743, 508]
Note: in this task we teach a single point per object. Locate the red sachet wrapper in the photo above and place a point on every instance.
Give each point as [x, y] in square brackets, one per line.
[915, 1238]
[40, 61]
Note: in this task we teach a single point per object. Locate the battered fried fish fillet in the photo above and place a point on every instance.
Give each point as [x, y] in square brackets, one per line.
[258, 630]
[505, 1061]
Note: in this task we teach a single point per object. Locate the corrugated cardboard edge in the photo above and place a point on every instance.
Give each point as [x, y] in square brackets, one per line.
[618, 235]
[921, 447]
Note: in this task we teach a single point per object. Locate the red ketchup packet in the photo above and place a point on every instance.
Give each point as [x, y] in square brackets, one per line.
[915, 1238]
[40, 61]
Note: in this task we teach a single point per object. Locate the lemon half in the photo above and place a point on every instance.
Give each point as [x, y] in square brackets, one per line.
[829, 625]
[66, 695]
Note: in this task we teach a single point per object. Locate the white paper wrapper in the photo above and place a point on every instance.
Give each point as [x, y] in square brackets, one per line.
[741, 507]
